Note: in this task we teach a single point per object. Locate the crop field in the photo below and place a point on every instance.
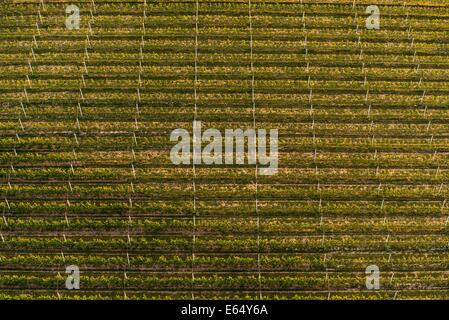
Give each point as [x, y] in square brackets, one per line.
[86, 178]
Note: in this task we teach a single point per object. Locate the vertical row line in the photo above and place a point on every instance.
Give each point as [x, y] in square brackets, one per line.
[133, 154]
[39, 19]
[253, 101]
[195, 84]
[17, 137]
